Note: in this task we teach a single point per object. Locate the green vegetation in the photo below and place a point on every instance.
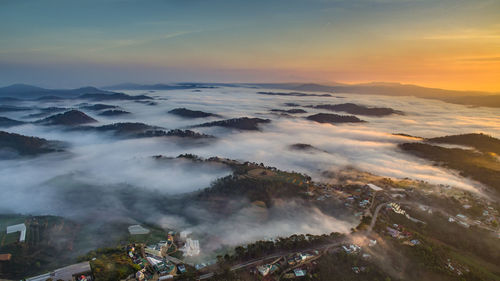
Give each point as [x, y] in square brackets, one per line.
[24, 145]
[48, 245]
[111, 264]
[482, 167]
[339, 265]
[254, 189]
[472, 251]
[481, 142]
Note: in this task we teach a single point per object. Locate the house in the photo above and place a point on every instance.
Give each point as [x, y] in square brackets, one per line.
[5, 257]
[299, 272]
[140, 275]
[182, 268]
[352, 248]
[18, 228]
[374, 187]
[264, 269]
[151, 250]
[364, 203]
[191, 248]
[392, 232]
[415, 242]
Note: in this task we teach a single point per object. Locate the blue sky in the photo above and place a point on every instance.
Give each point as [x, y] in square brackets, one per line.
[73, 43]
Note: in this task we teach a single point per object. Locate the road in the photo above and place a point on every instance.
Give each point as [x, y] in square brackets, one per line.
[323, 248]
[374, 218]
[277, 255]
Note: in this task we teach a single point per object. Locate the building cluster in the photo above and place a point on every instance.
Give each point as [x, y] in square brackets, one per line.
[294, 265]
[351, 248]
[155, 260]
[398, 232]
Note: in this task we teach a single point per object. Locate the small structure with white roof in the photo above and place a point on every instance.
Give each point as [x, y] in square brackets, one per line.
[18, 228]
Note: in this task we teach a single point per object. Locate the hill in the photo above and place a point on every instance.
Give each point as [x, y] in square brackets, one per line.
[98, 106]
[11, 108]
[24, 145]
[7, 122]
[187, 113]
[352, 108]
[242, 123]
[114, 112]
[68, 118]
[334, 118]
[291, 111]
[481, 142]
[480, 165]
[112, 96]
[125, 129]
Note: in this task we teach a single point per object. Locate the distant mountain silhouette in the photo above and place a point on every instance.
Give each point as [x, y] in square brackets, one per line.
[293, 94]
[11, 108]
[112, 96]
[476, 98]
[23, 91]
[7, 122]
[173, 86]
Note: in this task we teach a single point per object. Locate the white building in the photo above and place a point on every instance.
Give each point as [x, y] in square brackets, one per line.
[192, 247]
[137, 229]
[18, 227]
[374, 187]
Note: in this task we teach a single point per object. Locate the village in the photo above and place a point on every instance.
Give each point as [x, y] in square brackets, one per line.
[164, 259]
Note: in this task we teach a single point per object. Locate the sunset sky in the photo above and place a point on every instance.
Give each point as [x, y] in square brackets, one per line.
[452, 44]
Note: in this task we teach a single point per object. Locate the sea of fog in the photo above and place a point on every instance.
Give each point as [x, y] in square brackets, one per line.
[42, 185]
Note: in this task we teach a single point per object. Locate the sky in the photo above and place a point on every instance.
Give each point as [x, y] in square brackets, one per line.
[453, 44]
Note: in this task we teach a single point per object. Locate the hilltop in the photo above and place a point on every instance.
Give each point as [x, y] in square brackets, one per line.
[24, 145]
[187, 113]
[482, 165]
[242, 123]
[334, 118]
[352, 108]
[68, 118]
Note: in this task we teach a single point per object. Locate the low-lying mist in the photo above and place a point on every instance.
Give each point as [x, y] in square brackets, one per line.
[108, 178]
